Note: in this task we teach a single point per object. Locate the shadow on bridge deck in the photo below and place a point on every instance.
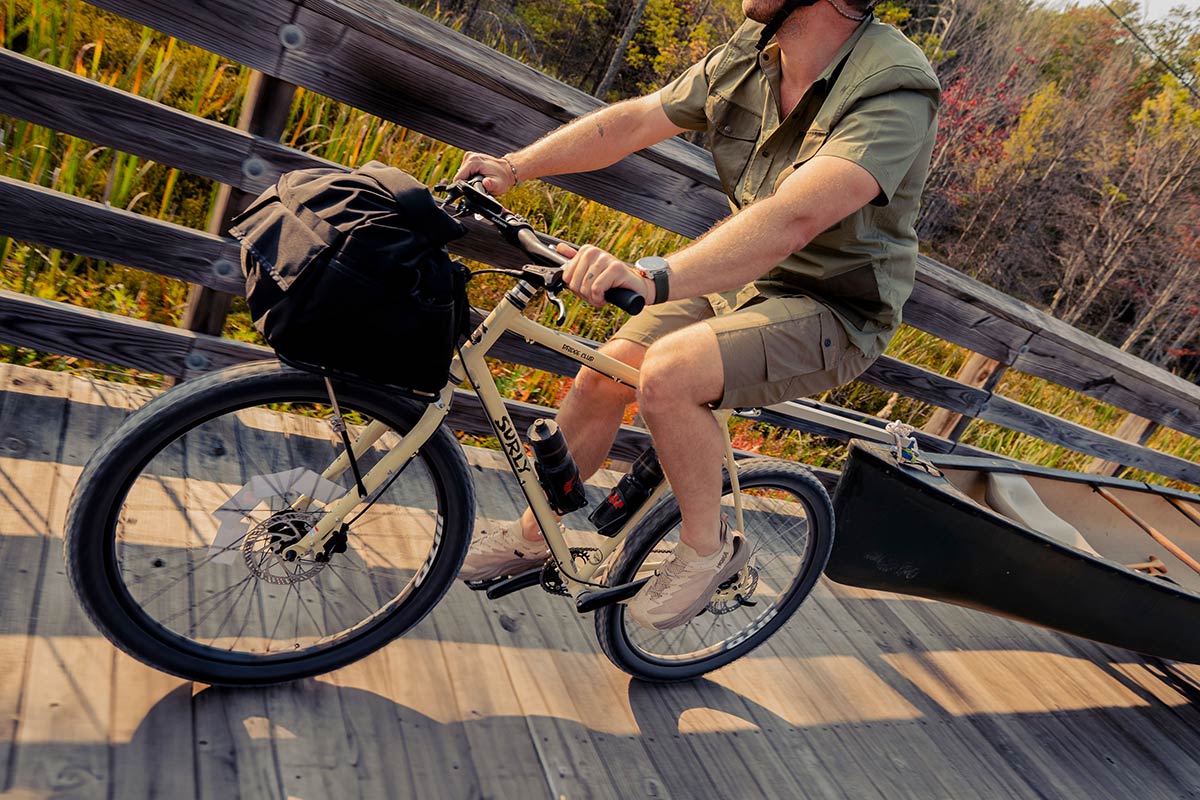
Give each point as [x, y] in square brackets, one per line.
[861, 695]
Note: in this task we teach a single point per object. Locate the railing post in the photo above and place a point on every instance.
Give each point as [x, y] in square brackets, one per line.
[1132, 429]
[979, 371]
[264, 113]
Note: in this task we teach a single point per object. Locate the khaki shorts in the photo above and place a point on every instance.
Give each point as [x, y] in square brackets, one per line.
[772, 348]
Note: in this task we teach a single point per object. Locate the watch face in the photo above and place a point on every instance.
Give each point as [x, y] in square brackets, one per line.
[653, 264]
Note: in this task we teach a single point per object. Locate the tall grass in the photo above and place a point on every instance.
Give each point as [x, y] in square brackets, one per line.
[90, 42]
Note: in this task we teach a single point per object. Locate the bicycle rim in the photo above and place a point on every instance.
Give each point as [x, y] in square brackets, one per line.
[197, 545]
[779, 525]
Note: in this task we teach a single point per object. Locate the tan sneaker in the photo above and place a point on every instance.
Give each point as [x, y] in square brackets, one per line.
[685, 582]
[501, 552]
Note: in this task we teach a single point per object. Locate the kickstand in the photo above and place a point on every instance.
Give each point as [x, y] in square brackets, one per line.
[339, 427]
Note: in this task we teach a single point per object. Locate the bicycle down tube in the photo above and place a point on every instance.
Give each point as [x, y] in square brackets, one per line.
[506, 316]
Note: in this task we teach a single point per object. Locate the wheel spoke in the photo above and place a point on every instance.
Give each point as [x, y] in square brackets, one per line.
[781, 534]
[260, 440]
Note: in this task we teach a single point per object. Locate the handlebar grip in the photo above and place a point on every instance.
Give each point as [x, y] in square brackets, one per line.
[626, 300]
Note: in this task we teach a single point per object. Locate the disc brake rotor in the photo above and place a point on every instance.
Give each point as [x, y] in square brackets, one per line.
[734, 593]
[263, 546]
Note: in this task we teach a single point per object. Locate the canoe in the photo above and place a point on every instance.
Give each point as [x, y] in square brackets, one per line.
[1039, 545]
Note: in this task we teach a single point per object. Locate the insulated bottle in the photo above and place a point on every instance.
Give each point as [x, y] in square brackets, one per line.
[628, 495]
[556, 469]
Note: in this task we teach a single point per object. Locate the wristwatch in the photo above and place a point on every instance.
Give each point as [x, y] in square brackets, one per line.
[658, 270]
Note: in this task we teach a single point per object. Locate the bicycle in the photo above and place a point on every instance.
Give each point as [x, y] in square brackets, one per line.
[230, 531]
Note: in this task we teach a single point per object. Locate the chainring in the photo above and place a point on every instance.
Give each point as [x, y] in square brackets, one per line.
[551, 579]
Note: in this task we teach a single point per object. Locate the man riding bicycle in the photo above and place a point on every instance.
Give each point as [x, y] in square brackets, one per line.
[821, 124]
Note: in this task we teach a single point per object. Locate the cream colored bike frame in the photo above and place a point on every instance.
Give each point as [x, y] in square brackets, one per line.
[507, 316]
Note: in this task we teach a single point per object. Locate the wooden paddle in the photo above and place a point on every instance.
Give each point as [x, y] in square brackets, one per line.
[1171, 547]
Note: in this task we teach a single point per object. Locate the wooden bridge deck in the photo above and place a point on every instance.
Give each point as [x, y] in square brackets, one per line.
[862, 695]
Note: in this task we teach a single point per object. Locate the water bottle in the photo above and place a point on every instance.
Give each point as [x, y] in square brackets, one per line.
[556, 469]
[628, 495]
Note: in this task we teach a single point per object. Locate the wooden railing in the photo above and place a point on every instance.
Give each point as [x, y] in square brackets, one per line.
[392, 62]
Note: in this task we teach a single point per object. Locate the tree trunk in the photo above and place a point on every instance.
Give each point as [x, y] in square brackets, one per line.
[618, 58]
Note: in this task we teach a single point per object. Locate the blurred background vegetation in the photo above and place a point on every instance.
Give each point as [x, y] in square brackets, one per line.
[1067, 173]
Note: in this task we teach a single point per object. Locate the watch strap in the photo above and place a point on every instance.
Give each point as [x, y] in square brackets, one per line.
[662, 285]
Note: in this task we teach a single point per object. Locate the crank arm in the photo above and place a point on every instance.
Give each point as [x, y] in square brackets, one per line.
[590, 601]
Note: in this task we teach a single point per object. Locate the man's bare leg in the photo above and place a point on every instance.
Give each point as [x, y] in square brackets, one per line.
[591, 415]
[681, 374]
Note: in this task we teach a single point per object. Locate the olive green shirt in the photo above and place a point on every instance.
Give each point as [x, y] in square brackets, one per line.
[875, 104]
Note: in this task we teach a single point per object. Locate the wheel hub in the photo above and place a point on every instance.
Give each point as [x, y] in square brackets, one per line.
[263, 549]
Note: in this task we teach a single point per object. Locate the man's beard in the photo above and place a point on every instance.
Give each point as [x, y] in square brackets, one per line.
[761, 10]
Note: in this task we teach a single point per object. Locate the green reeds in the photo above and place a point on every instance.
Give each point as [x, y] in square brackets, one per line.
[105, 48]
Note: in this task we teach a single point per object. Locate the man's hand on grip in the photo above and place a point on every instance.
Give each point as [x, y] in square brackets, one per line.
[591, 272]
[497, 173]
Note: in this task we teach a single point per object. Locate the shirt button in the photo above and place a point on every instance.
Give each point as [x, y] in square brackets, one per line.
[765, 154]
[829, 342]
[726, 129]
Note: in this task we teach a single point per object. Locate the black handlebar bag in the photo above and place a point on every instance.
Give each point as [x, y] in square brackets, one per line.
[347, 274]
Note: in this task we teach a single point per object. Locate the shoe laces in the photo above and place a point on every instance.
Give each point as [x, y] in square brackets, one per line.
[671, 570]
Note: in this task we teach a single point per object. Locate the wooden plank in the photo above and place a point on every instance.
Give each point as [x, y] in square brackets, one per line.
[248, 35]
[961, 320]
[32, 434]
[922, 384]
[63, 101]
[978, 371]
[67, 330]
[507, 757]
[235, 740]
[151, 724]
[871, 630]
[67, 704]
[465, 114]
[362, 69]
[433, 43]
[552, 625]
[1072, 358]
[1101, 371]
[37, 214]
[1020, 417]
[1132, 429]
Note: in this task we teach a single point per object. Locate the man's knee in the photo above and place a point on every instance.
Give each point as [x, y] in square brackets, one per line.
[683, 368]
[592, 384]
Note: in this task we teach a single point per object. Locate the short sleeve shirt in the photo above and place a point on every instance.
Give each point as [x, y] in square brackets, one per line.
[875, 105]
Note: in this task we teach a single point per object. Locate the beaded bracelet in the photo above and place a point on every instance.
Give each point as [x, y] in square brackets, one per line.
[511, 169]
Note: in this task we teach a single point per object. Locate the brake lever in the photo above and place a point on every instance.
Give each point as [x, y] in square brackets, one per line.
[561, 319]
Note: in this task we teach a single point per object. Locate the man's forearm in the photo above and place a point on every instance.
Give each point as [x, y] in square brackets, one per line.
[596, 140]
[742, 248]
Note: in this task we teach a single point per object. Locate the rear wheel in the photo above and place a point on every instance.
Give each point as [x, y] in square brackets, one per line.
[789, 524]
[177, 533]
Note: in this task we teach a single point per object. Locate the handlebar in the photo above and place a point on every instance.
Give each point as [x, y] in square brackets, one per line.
[517, 231]
[627, 300]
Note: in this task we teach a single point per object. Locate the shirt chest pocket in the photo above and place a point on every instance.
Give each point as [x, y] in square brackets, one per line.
[734, 134]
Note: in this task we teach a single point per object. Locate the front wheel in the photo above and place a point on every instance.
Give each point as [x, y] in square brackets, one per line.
[788, 520]
[177, 534]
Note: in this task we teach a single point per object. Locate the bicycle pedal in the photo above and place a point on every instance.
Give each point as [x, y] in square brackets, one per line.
[484, 585]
